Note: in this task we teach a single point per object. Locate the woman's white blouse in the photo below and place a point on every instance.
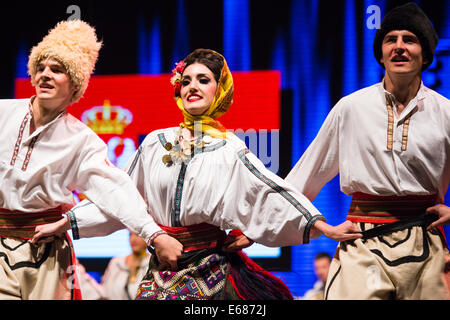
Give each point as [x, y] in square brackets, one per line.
[223, 184]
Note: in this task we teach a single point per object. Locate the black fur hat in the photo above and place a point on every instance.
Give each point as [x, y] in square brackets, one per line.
[408, 17]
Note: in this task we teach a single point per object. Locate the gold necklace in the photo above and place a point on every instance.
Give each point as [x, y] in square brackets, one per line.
[182, 150]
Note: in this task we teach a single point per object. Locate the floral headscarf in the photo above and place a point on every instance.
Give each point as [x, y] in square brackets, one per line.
[223, 100]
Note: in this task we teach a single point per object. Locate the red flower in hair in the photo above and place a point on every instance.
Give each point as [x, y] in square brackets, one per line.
[176, 76]
[179, 67]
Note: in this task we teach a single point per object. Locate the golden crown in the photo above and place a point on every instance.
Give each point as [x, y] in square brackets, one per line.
[107, 119]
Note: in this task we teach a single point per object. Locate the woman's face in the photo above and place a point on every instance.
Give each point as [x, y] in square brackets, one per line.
[198, 88]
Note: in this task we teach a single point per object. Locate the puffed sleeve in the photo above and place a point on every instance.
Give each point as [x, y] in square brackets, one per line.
[86, 220]
[320, 162]
[280, 215]
[114, 201]
[243, 194]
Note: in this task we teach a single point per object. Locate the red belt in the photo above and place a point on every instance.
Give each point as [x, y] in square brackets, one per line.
[19, 224]
[387, 209]
[196, 237]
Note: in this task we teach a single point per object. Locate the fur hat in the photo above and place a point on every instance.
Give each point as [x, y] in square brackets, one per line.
[408, 17]
[74, 44]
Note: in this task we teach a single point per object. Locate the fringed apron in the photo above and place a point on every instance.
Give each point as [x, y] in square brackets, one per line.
[205, 272]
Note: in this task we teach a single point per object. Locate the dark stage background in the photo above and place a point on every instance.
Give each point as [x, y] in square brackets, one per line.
[322, 49]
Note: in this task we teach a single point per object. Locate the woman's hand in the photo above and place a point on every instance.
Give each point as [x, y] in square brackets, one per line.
[47, 232]
[236, 242]
[343, 232]
[168, 250]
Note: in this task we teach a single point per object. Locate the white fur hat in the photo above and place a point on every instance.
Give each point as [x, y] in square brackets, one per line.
[74, 44]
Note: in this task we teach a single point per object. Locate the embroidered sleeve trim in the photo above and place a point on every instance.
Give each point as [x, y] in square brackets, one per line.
[309, 226]
[283, 193]
[73, 225]
[153, 237]
[73, 220]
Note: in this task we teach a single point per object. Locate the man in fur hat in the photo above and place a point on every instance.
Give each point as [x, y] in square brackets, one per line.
[46, 154]
[390, 144]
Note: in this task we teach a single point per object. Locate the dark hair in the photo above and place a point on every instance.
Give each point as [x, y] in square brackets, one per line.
[211, 59]
[321, 255]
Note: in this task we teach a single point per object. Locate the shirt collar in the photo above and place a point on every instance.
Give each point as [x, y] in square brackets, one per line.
[41, 128]
[411, 105]
[419, 96]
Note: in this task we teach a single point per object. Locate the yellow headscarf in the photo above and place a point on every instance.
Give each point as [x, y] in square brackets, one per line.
[223, 100]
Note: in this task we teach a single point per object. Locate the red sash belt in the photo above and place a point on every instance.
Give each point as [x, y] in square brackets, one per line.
[387, 209]
[18, 224]
[196, 237]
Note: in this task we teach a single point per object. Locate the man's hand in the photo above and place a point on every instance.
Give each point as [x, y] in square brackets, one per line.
[47, 232]
[168, 250]
[237, 242]
[343, 232]
[443, 213]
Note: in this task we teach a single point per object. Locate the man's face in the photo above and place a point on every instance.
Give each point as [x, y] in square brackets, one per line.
[52, 82]
[321, 267]
[402, 52]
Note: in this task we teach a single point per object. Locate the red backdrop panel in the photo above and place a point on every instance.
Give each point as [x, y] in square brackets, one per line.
[150, 100]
